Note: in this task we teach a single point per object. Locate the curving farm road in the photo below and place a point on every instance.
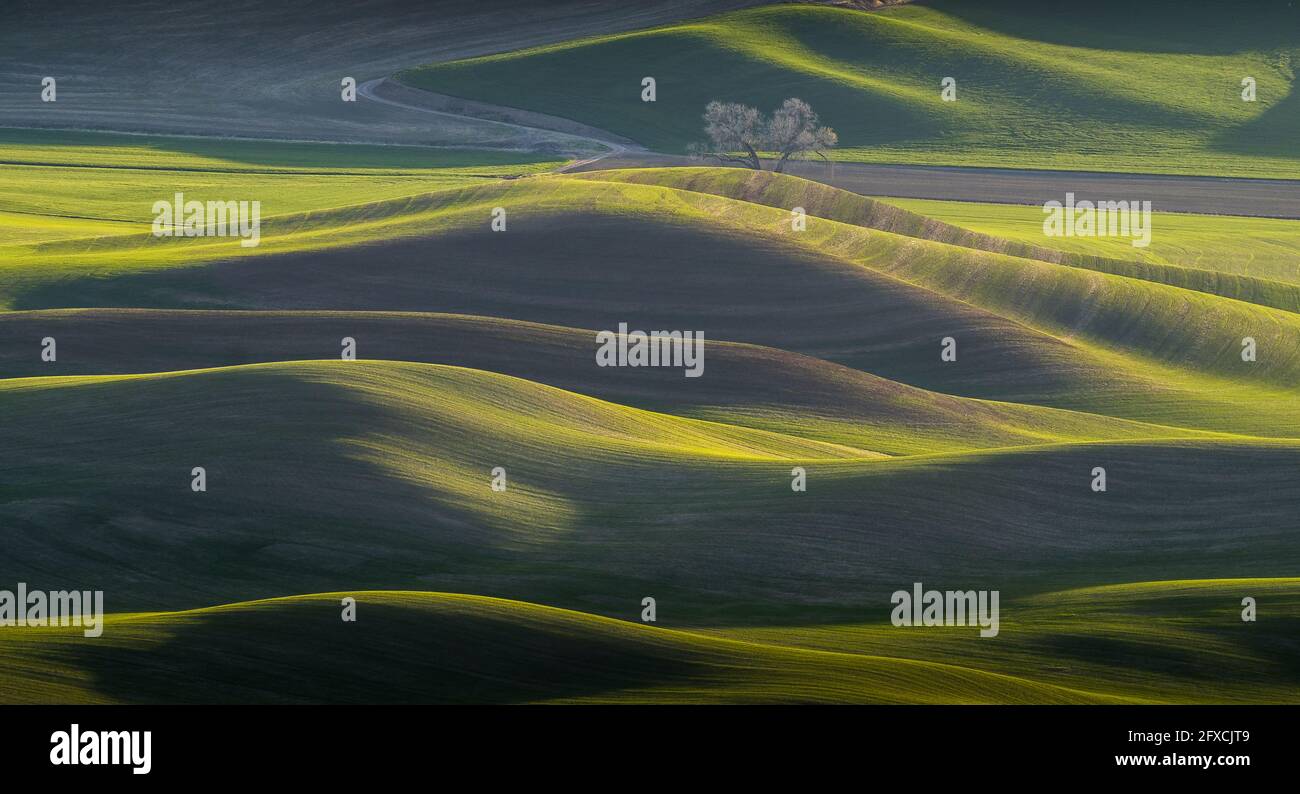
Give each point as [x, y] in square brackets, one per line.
[1269, 198]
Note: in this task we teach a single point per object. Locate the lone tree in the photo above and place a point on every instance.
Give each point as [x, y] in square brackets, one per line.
[738, 132]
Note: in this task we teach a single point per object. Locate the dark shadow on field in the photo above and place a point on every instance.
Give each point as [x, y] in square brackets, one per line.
[1280, 642]
[305, 653]
[1119, 654]
[1274, 133]
[98, 478]
[1266, 651]
[1208, 27]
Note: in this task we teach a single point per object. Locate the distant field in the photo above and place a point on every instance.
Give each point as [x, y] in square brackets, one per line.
[277, 72]
[1112, 86]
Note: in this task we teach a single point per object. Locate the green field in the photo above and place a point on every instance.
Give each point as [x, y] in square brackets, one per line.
[1149, 87]
[330, 478]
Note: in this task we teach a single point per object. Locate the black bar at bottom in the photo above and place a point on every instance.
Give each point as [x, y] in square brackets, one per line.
[332, 744]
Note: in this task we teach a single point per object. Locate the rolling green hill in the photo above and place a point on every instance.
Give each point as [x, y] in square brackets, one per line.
[1157, 92]
[1151, 642]
[408, 647]
[322, 475]
[745, 385]
[1030, 330]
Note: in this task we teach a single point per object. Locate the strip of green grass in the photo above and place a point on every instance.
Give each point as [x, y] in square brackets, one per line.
[1263, 248]
[172, 153]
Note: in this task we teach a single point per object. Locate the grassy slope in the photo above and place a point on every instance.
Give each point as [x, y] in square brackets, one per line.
[408, 647]
[324, 475]
[1116, 103]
